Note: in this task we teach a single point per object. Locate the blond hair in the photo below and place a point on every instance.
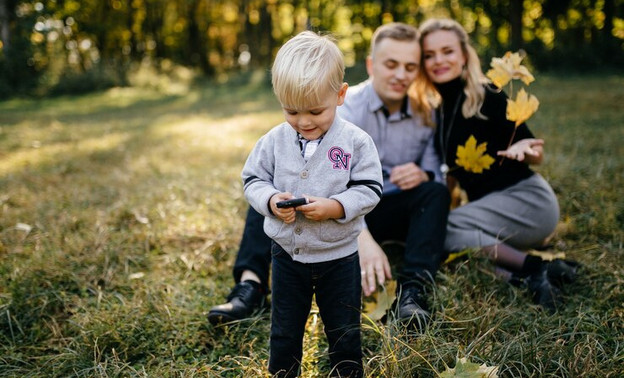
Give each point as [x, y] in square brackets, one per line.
[306, 69]
[397, 31]
[424, 95]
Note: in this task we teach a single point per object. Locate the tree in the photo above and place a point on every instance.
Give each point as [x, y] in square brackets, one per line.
[5, 31]
[515, 21]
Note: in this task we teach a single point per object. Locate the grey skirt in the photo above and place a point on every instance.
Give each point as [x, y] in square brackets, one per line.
[522, 216]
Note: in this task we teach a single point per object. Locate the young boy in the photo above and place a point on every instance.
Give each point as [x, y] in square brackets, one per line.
[334, 165]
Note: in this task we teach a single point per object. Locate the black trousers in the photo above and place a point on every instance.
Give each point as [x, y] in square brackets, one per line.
[417, 217]
[336, 287]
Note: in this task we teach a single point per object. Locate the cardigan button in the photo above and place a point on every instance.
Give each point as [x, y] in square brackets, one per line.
[298, 230]
[296, 251]
[304, 174]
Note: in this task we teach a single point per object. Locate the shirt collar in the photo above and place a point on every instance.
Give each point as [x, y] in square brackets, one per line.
[375, 104]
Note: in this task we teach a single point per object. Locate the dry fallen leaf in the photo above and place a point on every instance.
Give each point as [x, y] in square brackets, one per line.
[465, 369]
[376, 305]
[23, 227]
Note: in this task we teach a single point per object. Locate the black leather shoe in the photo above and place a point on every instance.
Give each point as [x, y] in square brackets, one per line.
[244, 299]
[562, 271]
[543, 291]
[412, 307]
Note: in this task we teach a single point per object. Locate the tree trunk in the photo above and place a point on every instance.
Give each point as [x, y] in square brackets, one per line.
[135, 42]
[197, 54]
[266, 35]
[607, 30]
[5, 31]
[515, 20]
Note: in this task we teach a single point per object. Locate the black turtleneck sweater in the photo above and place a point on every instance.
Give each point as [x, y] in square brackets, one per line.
[496, 130]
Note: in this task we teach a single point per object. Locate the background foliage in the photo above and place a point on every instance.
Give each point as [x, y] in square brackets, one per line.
[71, 46]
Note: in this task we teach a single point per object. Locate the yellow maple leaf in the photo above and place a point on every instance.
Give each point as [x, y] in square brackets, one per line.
[507, 68]
[522, 108]
[376, 305]
[498, 74]
[466, 369]
[472, 157]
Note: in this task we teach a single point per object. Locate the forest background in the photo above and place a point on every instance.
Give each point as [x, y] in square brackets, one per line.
[71, 46]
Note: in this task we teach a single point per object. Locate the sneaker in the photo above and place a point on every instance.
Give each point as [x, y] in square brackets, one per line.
[543, 291]
[245, 298]
[412, 307]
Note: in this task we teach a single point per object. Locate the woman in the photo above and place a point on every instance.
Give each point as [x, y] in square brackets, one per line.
[511, 208]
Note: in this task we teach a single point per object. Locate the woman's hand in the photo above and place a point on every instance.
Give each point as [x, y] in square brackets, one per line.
[528, 150]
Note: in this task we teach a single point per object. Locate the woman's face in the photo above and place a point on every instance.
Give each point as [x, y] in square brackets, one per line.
[443, 56]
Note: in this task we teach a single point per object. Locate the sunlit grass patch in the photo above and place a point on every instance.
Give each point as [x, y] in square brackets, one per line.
[121, 214]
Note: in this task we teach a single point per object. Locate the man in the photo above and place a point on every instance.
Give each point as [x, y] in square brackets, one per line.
[414, 206]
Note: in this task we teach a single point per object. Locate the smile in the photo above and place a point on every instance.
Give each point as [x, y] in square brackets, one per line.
[441, 71]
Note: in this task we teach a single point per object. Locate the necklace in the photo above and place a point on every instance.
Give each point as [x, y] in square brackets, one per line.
[445, 133]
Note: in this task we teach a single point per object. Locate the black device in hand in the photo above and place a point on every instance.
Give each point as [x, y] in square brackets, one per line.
[292, 202]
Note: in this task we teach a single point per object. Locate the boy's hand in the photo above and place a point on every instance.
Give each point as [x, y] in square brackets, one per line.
[286, 214]
[320, 208]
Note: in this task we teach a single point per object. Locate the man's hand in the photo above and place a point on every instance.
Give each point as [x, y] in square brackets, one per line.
[373, 263]
[408, 176]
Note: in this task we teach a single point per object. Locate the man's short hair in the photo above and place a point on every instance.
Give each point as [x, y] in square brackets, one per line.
[305, 69]
[394, 30]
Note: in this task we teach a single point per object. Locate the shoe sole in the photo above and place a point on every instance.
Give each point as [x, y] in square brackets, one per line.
[218, 318]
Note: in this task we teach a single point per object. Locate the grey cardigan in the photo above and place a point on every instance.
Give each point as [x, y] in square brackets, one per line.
[345, 167]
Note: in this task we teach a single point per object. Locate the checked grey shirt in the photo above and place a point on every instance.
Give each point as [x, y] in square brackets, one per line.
[400, 138]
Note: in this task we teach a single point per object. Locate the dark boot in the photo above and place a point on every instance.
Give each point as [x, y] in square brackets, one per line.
[412, 309]
[562, 272]
[544, 292]
[245, 298]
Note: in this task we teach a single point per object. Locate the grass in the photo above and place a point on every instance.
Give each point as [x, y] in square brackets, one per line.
[121, 213]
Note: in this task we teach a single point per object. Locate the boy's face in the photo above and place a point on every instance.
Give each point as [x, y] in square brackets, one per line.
[392, 68]
[314, 121]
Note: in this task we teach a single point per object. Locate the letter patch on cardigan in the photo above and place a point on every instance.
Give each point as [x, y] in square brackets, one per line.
[339, 158]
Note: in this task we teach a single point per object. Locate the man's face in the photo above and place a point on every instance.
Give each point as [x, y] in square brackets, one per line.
[392, 67]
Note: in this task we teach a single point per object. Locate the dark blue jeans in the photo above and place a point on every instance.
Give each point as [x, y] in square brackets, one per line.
[417, 217]
[336, 286]
[255, 249]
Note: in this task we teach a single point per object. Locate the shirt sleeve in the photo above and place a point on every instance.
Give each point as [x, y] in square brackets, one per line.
[257, 176]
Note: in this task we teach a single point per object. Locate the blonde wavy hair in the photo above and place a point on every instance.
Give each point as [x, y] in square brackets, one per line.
[306, 69]
[423, 93]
